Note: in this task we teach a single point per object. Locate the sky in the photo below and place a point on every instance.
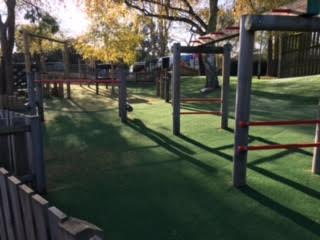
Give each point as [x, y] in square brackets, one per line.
[74, 22]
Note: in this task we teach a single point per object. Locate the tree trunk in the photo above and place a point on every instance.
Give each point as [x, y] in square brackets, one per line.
[7, 35]
[209, 59]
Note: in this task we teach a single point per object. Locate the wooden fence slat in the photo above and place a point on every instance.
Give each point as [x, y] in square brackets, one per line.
[4, 147]
[13, 185]
[6, 204]
[3, 232]
[38, 164]
[55, 218]
[20, 153]
[76, 229]
[40, 213]
[25, 194]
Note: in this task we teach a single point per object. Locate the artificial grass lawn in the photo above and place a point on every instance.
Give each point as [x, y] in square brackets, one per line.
[138, 181]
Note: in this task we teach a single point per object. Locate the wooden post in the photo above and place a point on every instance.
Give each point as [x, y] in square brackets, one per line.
[6, 205]
[97, 88]
[29, 75]
[40, 211]
[122, 94]
[39, 96]
[25, 194]
[279, 67]
[176, 88]
[167, 86]
[13, 187]
[316, 150]
[56, 217]
[38, 168]
[67, 68]
[243, 103]
[76, 229]
[225, 85]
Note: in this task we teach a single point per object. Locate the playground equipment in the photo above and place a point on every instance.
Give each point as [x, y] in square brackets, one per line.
[176, 75]
[249, 25]
[124, 107]
[36, 84]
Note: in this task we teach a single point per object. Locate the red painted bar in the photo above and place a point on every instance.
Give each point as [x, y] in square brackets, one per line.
[77, 81]
[233, 28]
[217, 33]
[201, 113]
[279, 123]
[283, 146]
[205, 38]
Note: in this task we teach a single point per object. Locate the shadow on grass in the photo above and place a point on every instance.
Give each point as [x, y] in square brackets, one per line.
[168, 144]
[217, 151]
[284, 211]
[309, 191]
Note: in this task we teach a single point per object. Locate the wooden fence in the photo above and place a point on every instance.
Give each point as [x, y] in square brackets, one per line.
[11, 102]
[25, 215]
[21, 148]
[295, 54]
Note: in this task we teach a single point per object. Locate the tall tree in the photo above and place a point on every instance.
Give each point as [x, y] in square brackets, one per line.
[114, 34]
[7, 39]
[7, 33]
[202, 19]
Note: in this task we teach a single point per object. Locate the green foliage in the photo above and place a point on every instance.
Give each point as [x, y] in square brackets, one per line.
[42, 23]
[114, 34]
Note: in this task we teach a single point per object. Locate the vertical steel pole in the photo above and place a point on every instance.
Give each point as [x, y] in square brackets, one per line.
[67, 68]
[39, 94]
[123, 95]
[226, 85]
[316, 150]
[176, 88]
[38, 155]
[243, 103]
[29, 75]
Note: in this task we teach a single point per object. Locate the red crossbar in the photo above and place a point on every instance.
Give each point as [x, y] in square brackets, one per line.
[210, 100]
[76, 81]
[217, 33]
[282, 10]
[284, 146]
[201, 113]
[279, 123]
[205, 38]
[233, 28]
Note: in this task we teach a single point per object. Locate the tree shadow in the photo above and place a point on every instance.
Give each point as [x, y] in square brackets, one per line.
[284, 211]
[217, 151]
[167, 143]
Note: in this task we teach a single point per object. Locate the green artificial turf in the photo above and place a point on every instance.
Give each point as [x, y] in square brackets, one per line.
[138, 181]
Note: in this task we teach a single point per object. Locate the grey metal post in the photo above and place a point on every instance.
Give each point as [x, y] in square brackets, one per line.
[167, 86]
[225, 85]
[243, 103]
[176, 88]
[31, 93]
[39, 95]
[316, 150]
[122, 95]
[97, 88]
[38, 168]
[67, 68]
[29, 74]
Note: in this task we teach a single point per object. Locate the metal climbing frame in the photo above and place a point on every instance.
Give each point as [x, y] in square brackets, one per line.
[176, 77]
[249, 25]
